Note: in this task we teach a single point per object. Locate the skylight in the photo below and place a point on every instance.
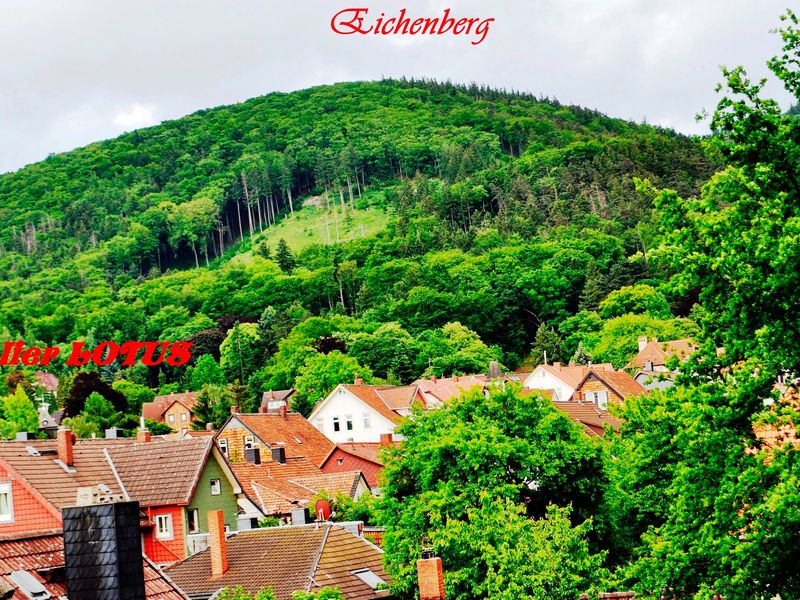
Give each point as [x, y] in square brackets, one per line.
[370, 578]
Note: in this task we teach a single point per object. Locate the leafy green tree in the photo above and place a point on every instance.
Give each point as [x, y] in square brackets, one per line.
[320, 374]
[240, 354]
[547, 346]
[100, 411]
[284, 257]
[19, 414]
[206, 371]
[639, 299]
[388, 351]
[321, 594]
[617, 340]
[465, 482]
[82, 426]
[213, 406]
[454, 349]
[135, 394]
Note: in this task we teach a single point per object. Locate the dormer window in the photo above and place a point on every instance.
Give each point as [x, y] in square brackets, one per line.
[223, 446]
[249, 442]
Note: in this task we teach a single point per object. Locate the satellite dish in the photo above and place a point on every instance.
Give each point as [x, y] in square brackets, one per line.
[323, 510]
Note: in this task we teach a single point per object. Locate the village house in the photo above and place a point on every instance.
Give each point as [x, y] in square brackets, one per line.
[362, 413]
[268, 431]
[291, 558]
[359, 456]
[650, 366]
[273, 400]
[176, 410]
[601, 387]
[176, 483]
[563, 380]
[439, 390]
[592, 419]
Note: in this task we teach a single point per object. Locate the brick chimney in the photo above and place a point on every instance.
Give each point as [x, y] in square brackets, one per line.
[434, 379]
[282, 411]
[209, 427]
[66, 440]
[642, 343]
[234, 410]
[358, 380]
[143, 435]
[387, 439]
[217, 543]
[431, 578]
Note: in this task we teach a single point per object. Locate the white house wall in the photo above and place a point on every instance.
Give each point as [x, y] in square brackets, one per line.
[542, 379]
[342, 403]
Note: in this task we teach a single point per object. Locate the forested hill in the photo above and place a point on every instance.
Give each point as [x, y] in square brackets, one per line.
[504, 212]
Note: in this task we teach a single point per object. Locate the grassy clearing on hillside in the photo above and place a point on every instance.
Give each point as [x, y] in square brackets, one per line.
[308, 226]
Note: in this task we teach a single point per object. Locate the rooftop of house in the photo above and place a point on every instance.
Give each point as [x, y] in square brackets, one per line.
[42, 556]
[276, 488]
[292, 431]
[275, 396]
[591, 418]
[291, 558]
[444, 389]
[161, 473]
[386, 400]
[653, 352]
[618, 381]
[46, 381]
[573, 374]
[37, 463]
[369, 451]
[155, 410]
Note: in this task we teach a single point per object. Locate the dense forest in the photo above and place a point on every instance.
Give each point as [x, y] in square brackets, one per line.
[513, 226]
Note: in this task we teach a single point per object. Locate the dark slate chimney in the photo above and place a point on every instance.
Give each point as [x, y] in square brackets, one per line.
[253, 455]
[279, 454]
[103, 552]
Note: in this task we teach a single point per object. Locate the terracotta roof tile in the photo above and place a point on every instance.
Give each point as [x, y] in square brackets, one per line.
[370, 395]
[658, 353]
[49, 479]
[398, 398]
[445, 389]
[33, 554]
[299, 437]
[293, 558]
[155, 410]
[367, 450]
[621, 382]
[345, 482]
[161, 473]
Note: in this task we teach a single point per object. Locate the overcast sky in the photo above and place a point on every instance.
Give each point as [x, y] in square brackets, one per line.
[73, 72]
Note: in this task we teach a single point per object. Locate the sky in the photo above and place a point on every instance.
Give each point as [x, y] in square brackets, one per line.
[76, 72]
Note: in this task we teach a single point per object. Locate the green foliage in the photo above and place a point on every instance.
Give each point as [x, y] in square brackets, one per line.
[241, 352]
[213, 406]
[476, 456]
[455, 349]
[344, 508]
[206, 371]
[616, 342]
[320, 374]
[321, 594]
[238, 593]
[638, 299]
[158, 427]
[284, 257]
[135, 394]
[18, 414]
[547, 346]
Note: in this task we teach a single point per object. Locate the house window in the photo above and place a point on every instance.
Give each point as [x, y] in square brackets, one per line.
[171, 418]
[164, 527]
[336, 425]
[367, 424]
[588, 396]
[184, 416]
[223, 446]
[216, 487]
[249, 442]
[320, 425]
[348, 420]
[193, 520]
[6, 503]
[602, 399]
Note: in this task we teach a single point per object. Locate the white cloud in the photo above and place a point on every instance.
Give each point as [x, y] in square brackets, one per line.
[136, 116]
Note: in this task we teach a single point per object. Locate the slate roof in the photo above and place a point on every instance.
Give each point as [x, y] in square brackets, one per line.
[289, 559]
[155, 410]
[299, 437]
[50, 480]
[658, 353]
[162, 473]
[43, 557]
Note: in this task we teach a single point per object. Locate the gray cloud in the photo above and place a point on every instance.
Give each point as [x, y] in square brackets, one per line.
[76, 72]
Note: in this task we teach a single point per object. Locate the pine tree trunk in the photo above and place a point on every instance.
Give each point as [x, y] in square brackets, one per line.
[239, 212]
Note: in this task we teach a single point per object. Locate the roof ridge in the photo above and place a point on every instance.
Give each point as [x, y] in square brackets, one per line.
[107, 454]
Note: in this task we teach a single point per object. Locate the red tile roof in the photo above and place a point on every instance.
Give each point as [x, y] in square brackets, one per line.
[299, 437]
[289, 559]
[618, 381]
[57, 487]
[447, 388]
[48, 381]
[366, 450]
[162, 473]
[658, 353]
[38, 554]
[371, 396]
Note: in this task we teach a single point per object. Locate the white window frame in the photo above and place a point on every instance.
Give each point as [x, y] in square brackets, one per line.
[164, 529]
[367, 421]
[171, 418]
[348, 422]
[7, 488]
[337, 425]
[196, 513]
[589, 397]
[216, 484]
[602, 400]
[249, 442]
[184, 417]
[223, 446]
